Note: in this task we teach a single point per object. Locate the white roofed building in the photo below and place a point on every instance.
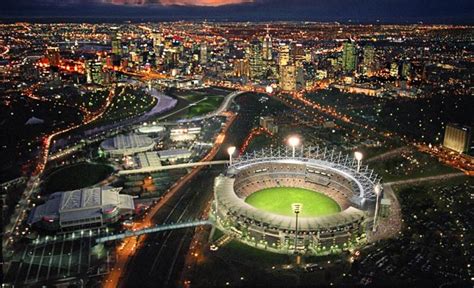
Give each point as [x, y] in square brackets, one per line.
[123, 145]
[88, 207]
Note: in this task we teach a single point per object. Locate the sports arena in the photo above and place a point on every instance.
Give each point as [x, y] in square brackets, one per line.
[319, 199]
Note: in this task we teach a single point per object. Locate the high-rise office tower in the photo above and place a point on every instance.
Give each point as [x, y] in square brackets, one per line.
[117, 43]
[52, 53]
[157, 38]
[203, 53]
[241, 68]
[254, 52]
[94, 74]
[406, 70]
[349, 57]
[267, 47]
[394, 69]
[457, 138]
[297, 53]
[283, 54]
[288, 77]
[368, 61]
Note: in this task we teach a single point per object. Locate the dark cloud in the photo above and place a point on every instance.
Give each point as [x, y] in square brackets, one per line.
[310, 10]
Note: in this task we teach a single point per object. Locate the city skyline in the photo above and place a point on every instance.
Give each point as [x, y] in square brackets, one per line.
[235, 143]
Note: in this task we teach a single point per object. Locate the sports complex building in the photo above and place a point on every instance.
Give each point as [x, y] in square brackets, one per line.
[88, 207]
[123, 145]
[317, 198]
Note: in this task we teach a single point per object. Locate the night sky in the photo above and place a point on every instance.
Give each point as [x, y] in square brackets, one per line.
[394, 11]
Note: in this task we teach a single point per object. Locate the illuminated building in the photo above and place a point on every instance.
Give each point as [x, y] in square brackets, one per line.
[241, 68]
[269, 123]
[288, 77]
[267, 47]
[255, 59]
[283, 54]
[88, 207]
[368, 60]
[457, 138]
[157, 41]
[94, 73]
[52, 53]
[406, 70]
[297, 53]
[352, 190]
[117, 43]
[394, 69]
[349, 57]
[203, 53]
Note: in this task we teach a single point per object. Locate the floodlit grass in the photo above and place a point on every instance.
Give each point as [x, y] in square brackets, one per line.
[278, 200]
[204, 107]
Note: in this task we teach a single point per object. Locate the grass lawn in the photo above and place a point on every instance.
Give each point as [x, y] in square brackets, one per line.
[204, 107]
[76, 176]
[278, 200]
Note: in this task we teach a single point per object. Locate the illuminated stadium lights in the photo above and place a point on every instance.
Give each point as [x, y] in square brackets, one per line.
[358, 156]
[294, 141]
[318, 170]
[296, 207]
[378, 191]
[231, 151]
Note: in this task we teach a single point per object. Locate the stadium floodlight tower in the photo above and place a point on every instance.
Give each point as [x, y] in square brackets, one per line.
[231, 151]
[378, 190]
[294, 141]
[358, 156]
[296, 207]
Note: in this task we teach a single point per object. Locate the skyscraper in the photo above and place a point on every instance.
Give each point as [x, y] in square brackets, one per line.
[94, 73]
[267, 47]
[241, 68]
[288, 77]
[349, 57]
[283, 54]
[394, 69]
[203, 53]
[157, 38]
[117, 43]
[457, 138]
[368, 61]
[255, 59]
[52, 53]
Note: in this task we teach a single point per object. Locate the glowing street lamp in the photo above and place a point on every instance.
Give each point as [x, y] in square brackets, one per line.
[358, 156]
[378, 190]
[231, 151]
[294, 141]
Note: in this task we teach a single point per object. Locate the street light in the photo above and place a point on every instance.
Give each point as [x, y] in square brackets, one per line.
[231, 151]
[378, 190]
[294, 141]
[358, 156]
[296, 207]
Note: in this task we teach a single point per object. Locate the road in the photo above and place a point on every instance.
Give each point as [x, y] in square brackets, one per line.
[427, 179]
[34, 181]
[388, 154]
[130, 245]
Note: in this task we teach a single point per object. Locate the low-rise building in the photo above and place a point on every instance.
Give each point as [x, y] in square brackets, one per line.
[88, 207]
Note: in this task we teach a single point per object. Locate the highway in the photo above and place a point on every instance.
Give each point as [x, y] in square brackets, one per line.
[179, 190]
[161, 257]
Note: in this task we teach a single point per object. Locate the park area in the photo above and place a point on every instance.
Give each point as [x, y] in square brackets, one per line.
[279, 200]
[76, 176]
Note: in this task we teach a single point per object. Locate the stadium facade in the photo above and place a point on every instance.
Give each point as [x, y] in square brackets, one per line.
[319, 170]
[88, 207]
